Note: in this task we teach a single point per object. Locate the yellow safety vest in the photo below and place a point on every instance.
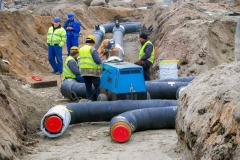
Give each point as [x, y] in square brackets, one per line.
[86, 60]
[58, 36]
[67, 73]
[151, 58]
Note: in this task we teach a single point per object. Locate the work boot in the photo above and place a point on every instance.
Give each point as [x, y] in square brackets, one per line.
[53, 72]
[58, 73]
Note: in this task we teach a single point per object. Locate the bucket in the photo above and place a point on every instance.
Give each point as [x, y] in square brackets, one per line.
[168, 68]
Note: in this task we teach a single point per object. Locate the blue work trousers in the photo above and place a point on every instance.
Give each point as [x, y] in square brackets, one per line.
[89, 81]
[146, 68]
[71, 41]
[55, 58]
[79, 78]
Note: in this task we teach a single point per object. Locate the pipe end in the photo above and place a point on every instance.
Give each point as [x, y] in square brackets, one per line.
[121, 132]
[53, 124]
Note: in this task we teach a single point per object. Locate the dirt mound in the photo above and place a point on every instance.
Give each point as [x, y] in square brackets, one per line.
[200, 36]
[19, 117]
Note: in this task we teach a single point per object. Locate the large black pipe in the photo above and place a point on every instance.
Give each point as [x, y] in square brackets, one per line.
[179, 91]
[104, 111]
[118, 33]
[130, 27]
[56, 120]
[157, 90]
[101, 30]
[180, 79]
[98, 33]
[124, 124]
[109, 27]
[163, 90]
[73, 90]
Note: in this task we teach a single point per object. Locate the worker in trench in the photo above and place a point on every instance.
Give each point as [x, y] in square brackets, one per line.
[71, 66]
[109, 50]
[90, 67]
[146, 55]
[73, 28]
[56, 37]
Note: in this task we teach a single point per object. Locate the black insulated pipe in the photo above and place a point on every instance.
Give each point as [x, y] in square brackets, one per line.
[131, 27]
[73, 90]
[98, 33]
[157, 90]
[179, 91]
[123, 125]
[101, 30]
[118, 33]
[109, 27]
[104, 111]
[163, 90]
[180, 79]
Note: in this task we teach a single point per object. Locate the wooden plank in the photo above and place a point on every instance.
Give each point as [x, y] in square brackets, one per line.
[63, 100]
[44, 84]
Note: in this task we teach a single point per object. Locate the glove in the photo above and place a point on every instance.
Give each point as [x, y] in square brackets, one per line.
[106, 50]
[140, 62]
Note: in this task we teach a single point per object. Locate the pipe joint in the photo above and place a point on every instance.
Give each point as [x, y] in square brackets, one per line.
[120, 28]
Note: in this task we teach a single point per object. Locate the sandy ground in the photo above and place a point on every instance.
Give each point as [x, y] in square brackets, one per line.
[91, 141]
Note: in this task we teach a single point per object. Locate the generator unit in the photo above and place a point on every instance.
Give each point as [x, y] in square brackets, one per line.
[122, 81]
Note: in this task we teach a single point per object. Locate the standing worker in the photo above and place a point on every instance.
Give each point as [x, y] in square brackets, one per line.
[90, 67]
[71, 67]
[72, 27]
[56, 37]
[146, 55]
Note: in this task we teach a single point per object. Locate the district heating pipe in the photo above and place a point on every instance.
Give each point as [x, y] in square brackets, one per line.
[98, 33]
[123, 125]
[73, 90]
[157, 90]
[57, 119]
[101, 30]
[180, 91]
[179, 79]
[117, 36]
[163, 90]
[130, 27]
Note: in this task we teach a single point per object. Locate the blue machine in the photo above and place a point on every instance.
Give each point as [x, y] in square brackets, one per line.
[122, 81]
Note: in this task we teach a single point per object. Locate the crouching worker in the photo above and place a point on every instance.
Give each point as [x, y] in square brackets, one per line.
[71, 66]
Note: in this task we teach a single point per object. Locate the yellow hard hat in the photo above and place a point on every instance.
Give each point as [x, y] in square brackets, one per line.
[91, 37]
[74, 49]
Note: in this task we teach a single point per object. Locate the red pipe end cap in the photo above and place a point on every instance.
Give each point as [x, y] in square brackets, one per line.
[53, 124]
[121, 133]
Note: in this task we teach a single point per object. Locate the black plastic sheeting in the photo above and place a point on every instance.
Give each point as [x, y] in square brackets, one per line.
[105, 111]
[148, 118]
